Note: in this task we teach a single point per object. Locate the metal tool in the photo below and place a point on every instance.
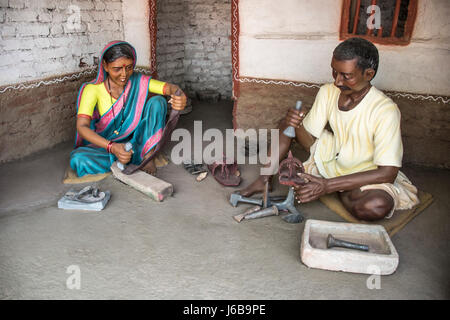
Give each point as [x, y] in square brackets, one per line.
[333, 242]
[241, 216]
[235, 198]
[128, 147]
[290, 131]
[287, 205]
[271, 211]
[266, 194]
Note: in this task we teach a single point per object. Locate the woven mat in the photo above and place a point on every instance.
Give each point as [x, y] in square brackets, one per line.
[392, 225]
[70, 176]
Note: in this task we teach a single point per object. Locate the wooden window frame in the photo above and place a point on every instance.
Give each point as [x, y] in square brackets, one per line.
[392, 39]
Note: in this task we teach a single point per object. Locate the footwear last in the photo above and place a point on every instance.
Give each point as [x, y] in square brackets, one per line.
[88, 194]
[289, 168]
[225, 174]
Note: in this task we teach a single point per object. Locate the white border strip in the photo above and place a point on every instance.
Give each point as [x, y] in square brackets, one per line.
[279, 82]
[23, 86]
[410, 96]
[418, 97]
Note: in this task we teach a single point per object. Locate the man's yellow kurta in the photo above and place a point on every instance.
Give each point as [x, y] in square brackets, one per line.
[363, 138]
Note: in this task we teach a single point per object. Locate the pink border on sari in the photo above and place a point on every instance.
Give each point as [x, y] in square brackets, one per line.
[142, 98]
[154, 139]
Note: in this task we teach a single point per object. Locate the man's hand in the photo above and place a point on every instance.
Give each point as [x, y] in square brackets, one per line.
[312, 190]
[118, 149]
[294, 117]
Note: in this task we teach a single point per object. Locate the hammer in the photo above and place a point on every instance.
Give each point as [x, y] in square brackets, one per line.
[128, 147]
[266, 194]
[271, 211]
[235, 198]
[241, 216]
[290, 131]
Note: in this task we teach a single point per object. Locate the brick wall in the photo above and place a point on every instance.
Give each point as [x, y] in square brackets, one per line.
[193, 46]
[45, 40]
[37, 118]
[170, 41]
[48, 37]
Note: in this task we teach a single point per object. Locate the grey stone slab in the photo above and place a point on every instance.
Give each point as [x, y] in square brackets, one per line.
[155, 188]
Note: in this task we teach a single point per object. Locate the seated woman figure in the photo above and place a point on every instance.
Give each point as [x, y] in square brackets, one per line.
[115, 108]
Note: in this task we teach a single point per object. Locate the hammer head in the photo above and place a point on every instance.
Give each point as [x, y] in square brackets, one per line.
[235, 198]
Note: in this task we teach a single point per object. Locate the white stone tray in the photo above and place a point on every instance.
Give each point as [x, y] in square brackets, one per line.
[382, 258]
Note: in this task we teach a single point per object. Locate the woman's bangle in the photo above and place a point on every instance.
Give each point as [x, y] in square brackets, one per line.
[109, 146]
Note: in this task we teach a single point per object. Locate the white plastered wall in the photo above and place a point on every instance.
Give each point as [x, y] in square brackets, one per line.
[136, 15]
[294, 40]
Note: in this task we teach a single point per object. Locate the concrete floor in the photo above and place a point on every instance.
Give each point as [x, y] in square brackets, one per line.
[189, 247]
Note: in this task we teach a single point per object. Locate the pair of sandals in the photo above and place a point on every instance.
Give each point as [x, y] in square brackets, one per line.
[224, 173]
[227, 173]
[88, 194]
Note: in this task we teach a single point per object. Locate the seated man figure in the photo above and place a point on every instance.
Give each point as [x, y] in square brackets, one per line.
[361, 156]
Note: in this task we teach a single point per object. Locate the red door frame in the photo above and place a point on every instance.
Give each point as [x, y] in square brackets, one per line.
[153, 30]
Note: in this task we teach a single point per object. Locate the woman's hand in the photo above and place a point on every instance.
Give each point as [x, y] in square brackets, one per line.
[312, 190]
[295, 117]
[118, 149]
[178, 102]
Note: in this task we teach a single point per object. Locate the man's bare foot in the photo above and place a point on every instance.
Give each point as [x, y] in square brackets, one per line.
[256, 187]
[150, 167]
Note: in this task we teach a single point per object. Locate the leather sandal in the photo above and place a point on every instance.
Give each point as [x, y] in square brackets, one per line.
[225, 173]
[194, 168]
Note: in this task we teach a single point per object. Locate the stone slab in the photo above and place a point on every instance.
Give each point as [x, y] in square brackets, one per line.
[151, 186]
[382, 257]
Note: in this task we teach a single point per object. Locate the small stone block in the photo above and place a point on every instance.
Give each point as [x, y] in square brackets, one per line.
[67, 204]
[153, 187]
[382, 258]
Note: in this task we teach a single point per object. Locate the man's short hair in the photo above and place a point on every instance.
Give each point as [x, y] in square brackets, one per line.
[362, 49]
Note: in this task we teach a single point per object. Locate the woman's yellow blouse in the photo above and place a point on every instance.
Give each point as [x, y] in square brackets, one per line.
[97, 95]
